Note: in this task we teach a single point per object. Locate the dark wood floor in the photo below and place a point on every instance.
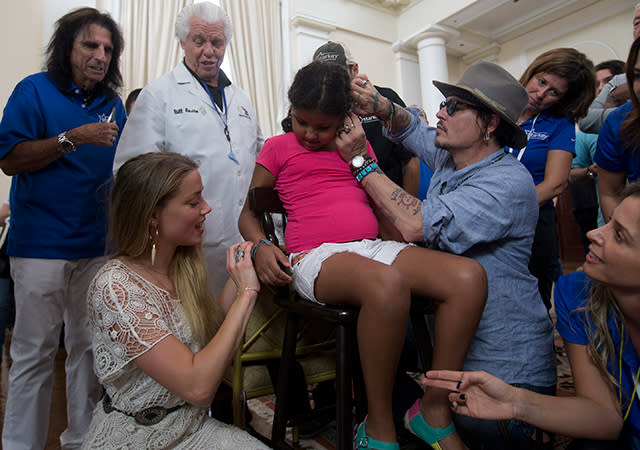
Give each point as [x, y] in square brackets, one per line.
[58, 416]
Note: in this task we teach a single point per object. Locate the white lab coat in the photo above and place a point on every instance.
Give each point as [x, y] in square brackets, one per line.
[175, 114]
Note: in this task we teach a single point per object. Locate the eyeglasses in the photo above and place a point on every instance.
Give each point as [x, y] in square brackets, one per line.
[454, 106]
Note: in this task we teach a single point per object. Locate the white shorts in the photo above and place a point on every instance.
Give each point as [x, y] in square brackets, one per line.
[306, 269]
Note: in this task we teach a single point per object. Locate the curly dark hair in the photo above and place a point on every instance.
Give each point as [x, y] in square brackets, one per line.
[61, 44]
[322, 86]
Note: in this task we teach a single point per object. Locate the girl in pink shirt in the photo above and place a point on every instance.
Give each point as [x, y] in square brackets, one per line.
[332, 238]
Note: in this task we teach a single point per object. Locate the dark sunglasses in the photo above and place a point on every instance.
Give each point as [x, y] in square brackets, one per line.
[453, 105]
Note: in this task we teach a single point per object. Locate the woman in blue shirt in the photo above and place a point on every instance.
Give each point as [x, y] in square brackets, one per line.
[602, 338]
[561, 85]
[619, 141]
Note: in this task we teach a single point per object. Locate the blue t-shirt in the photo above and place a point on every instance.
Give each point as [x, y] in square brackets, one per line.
[59, 211]
[572, 292]
[545, 132]
[611, 153]
[585, 149]
[425, 180]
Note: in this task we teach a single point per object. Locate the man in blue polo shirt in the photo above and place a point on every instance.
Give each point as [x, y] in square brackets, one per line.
[58, 137]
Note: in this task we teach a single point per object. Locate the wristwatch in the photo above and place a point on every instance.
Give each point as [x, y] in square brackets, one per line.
[64, 144]
[357, 162]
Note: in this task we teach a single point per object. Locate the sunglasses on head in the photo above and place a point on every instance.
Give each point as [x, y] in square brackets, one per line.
[454, 105]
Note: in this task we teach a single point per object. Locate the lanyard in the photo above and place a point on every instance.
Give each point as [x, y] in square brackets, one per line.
[635, 382]
[529, 133]
[223, 117]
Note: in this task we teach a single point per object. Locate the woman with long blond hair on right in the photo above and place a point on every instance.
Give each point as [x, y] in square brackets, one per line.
[602, 338]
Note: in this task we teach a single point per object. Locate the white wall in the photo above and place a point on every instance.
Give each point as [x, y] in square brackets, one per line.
[21, 50]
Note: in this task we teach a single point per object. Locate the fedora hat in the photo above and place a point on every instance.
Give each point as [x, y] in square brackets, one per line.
[489, 85]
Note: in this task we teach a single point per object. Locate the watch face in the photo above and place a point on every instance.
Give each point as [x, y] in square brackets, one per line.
[357, 162]
[66, 146]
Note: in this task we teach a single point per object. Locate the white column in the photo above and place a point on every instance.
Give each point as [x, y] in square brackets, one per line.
[308, 33]
[408, 74]
[432, 57]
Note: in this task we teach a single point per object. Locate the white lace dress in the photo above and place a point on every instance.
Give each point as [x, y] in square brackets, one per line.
[129, 315]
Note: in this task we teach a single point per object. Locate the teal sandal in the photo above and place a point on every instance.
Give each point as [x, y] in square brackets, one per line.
[414, 422]
[364, 441]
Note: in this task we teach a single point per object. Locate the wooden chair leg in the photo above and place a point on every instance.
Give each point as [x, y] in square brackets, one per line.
[286, 366]
[421, 332]
[344, 417]
[359, 391]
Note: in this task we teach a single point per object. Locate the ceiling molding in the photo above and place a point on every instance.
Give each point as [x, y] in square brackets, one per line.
[394, 7]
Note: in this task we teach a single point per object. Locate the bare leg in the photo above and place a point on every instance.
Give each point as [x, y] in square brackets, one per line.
[459, 285]
[383, 295]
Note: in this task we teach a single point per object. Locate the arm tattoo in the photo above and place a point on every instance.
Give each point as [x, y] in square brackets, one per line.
[401, 119]
[376, 100]
[406, 201]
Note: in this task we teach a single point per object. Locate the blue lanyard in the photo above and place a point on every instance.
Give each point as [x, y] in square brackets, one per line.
[224, 118]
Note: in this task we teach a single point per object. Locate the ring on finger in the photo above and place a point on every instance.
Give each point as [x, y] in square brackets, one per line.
[239, 254]
[364, 84]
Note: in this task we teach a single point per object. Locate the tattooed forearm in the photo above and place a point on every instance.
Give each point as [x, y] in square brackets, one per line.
[401, 119]
[406, 201]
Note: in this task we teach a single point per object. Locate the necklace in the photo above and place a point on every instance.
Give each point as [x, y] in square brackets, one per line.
[635, 381]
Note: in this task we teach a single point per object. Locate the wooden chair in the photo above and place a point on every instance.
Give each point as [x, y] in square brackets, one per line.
[248, 376]
[349, 385]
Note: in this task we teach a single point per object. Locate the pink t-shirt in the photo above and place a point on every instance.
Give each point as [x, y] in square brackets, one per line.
[323, 200]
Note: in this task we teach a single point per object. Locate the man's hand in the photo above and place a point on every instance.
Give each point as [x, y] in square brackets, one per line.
[367, 101]
[98, 133]
[351, 140]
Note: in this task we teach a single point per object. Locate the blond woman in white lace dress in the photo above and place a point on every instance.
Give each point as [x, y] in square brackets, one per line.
[161, 344]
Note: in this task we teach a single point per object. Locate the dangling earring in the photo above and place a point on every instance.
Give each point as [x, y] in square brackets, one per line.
[486, 136]
[153, 246]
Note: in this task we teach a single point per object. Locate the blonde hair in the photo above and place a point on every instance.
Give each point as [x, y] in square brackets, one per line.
[142, 184]
[601, 307]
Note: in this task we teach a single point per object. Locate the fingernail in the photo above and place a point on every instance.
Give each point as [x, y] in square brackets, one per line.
[459, 384]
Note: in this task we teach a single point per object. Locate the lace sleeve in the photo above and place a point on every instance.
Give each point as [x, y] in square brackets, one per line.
[128, 317]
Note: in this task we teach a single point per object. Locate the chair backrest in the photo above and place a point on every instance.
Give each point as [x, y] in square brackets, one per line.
[264, 202]
[3, 233]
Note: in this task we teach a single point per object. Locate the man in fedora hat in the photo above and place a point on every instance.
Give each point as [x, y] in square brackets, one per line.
[480, 204]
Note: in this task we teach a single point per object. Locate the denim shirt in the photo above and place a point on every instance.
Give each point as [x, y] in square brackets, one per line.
[488, 212]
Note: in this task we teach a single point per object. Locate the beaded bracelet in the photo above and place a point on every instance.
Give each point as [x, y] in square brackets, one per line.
[366, 171]
[257, 291]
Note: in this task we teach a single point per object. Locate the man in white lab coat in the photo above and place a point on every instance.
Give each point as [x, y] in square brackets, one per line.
[196, 111]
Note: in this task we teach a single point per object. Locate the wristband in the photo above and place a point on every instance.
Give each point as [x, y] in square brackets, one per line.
[366, 171]
[254, 249]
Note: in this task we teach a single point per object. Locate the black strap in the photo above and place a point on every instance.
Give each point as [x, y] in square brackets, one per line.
[148, 416]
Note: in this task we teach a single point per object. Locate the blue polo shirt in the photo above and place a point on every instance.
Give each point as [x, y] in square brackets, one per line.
[571, 292]
[611, 153]
[545, 132]
[59, 211]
